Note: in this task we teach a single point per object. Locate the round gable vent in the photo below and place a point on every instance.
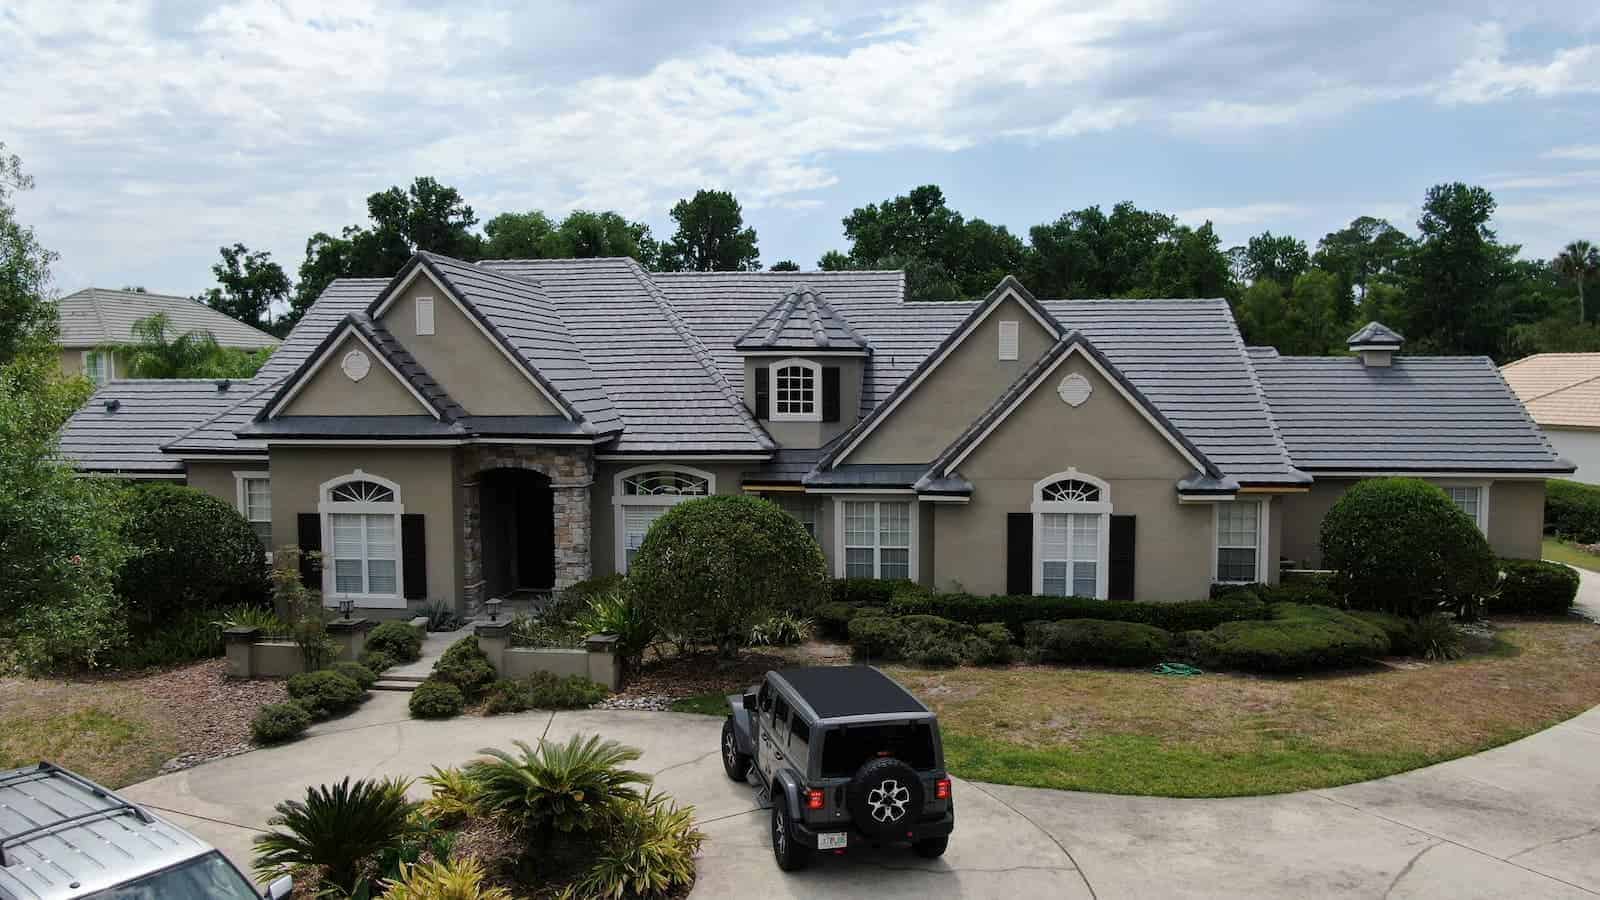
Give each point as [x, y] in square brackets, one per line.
[1074, 389]
[356, 365]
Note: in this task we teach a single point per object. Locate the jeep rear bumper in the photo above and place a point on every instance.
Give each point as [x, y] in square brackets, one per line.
[940, 827]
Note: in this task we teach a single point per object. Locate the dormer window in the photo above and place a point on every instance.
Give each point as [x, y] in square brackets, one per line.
[796, 385]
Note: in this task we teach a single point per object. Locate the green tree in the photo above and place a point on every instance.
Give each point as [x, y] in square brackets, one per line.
[944, 255]
[1579, 261]
[1086, 253]
[581, 235]
[711, 236]
[249, 284]
[160, 353]
[1279, 258]
[27, 318]
[835, 261]
[1367, 250]
[1451, 278]
[1189, 262]
[518, 236]
[785, 265]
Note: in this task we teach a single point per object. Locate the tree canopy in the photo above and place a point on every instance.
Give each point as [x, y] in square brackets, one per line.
[249, 283]
[711, 236]
[160, 352]
[27, 318]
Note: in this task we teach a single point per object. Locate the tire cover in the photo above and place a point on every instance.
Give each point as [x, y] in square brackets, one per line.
[885, 797]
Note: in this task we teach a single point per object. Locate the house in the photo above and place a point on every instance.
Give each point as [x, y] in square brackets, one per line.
[94, 318]
[465, 431]
[1562, 393]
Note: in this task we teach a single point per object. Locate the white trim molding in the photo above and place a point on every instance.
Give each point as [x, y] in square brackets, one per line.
[327, 508]
[240, 478]
[1100, 508]
[813, 396]
[841, 550]
[1263, 538]
[621, 501]
[322, 359]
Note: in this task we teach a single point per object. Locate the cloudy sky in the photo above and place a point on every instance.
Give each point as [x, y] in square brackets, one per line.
[158, 131]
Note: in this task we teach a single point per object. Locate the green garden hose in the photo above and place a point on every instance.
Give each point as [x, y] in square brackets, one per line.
[1178, 669]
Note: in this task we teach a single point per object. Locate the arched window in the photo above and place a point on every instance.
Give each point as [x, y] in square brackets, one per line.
[361, 540]
[1071, 535]
[642, 494]
[796, 384]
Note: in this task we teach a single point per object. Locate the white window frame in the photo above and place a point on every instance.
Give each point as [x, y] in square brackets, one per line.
[326, 508]
[110, 361]
[425, 323]
[619, 501]
[816, 390]
[1102, 508]
[839, 532]
[1483, 499]
[1263, 539]
[241, 488]
[1010, 339]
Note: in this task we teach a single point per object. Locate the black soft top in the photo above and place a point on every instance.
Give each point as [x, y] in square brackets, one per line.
[836, 692]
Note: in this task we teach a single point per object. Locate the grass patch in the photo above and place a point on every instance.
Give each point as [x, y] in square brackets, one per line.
[703, 705]
[1222, 735]
[111, 734]
[1567, 552]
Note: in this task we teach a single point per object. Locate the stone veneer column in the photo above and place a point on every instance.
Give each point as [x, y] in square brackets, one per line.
[571, 474]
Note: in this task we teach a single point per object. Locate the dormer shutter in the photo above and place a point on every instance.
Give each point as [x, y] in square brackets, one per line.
[830, 393]
[763, 393]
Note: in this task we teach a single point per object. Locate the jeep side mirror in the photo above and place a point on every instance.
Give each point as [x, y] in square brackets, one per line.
[281, 889]
[750, 702]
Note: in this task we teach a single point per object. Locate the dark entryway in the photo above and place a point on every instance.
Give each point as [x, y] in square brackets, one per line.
[518, 527]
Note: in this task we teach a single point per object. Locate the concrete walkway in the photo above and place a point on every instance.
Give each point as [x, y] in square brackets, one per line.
[434, 643]
[1588, 602]
[1519, 821]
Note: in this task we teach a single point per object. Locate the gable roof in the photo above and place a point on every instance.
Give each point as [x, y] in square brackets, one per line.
[95, 316]
[802, 321]
[400, 363]
[1418, 414]
[1558, 389]
[1375, 335]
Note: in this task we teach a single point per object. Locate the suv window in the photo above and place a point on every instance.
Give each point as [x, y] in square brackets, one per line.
[799, 732]
[845, 749]
[780, 711]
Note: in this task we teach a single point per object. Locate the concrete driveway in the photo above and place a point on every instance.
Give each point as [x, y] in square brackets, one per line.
[1519, 821]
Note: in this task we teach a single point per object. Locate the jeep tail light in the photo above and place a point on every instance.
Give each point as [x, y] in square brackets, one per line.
[941, 789]
[814, 799]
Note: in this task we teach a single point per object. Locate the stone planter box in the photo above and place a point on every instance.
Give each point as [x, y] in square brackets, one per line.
[596, 660]
[252, 656]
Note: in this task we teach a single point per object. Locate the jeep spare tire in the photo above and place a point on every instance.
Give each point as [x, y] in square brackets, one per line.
[885, 798]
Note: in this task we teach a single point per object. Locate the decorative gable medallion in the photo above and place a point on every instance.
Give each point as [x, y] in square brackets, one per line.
[1074, 389]
[356, 365]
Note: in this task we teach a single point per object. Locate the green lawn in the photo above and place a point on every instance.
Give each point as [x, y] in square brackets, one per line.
[1571, 554]
[102, 729]
[703, 704]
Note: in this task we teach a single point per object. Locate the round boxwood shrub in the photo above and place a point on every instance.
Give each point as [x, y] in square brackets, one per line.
[1296, 639]
[465, 665]
[436, 699]
[361, 675]
[325, 692]
[399, 640]
[1096, 641]
[376, 661]
[1572, 510]
[194, 552]
[279, 722]
[1535, 587]
[833, 619]
[877, 636]
[711, 568]
[1399, 545]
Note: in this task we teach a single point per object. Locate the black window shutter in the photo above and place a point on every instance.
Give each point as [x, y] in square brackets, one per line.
[1019, 553]
[763, 393]
[830, 393]
[1122, 566]
[309, 528]
[414, 555]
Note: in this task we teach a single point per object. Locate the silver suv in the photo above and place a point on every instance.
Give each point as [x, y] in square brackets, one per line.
[62, 835]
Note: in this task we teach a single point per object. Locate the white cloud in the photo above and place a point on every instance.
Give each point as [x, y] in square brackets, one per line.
[1584, 152]
[1488, 75]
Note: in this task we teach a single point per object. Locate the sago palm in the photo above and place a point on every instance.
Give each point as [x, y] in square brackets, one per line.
[336, 828]
[558, 787]
[1580, 261]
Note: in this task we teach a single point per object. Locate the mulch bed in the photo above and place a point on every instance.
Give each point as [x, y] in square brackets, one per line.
[210, 711]
[670, 678]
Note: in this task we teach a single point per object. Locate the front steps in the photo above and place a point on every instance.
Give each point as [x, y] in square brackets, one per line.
[406, 683]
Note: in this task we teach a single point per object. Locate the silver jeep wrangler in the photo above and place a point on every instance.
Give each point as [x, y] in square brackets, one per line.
[62, 835]
[844, 756]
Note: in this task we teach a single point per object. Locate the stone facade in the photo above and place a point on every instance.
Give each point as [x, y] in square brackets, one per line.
[571, 474]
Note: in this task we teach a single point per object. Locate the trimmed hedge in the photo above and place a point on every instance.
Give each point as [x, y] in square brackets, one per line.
[1533, 586]
[196, 552]
[399, 640]
[279, 722]
[364, 677]
[1572, 510]
[929, 640]
[435, 699]
[543, 690]
[833, 619]
[1396, 628]
[325, 692]
[861, 591]
[1016, 611]
[1096, 641]
[1297, 638]
[465, 665]
[376, 661]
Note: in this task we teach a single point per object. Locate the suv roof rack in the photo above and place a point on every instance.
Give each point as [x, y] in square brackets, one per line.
[114, 805]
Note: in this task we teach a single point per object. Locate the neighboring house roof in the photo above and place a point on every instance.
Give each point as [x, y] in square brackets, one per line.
[1559, 389]
[1420, 413]
[802, 321]
[122, 427]
[94, 316]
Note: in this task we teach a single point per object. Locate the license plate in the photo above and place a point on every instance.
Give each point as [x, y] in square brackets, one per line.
[832, 840]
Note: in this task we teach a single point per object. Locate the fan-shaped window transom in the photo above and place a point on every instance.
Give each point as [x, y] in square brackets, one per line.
[1070, 490]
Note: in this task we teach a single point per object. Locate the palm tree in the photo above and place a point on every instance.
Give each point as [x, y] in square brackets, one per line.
[1580, 261]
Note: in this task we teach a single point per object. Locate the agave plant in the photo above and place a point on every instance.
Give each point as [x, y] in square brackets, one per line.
[558, 787]
[460, 879]
[335, 828]
[455, 796]
[648, 851]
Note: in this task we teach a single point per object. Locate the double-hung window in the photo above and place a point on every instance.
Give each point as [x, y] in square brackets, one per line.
[97, 366]
[1470, 499]
[642, 495]
[877, 539]
[361, 539]
[255, 504]
[1071, 528]
[1241, 529]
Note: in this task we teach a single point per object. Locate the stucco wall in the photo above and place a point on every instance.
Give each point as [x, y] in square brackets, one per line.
[1581, 447]
[72, 362]
[330, 392]
[425, 476]
[458, 356]
[807, 435]
[956, 392]
[1516, 518]
[1105, 437]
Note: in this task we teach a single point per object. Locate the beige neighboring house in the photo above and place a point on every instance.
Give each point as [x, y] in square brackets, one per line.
[1562, 393]
[465, 431]
[94, 318]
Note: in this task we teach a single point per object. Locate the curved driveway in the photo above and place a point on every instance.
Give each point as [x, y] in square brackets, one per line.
[1519, 821]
